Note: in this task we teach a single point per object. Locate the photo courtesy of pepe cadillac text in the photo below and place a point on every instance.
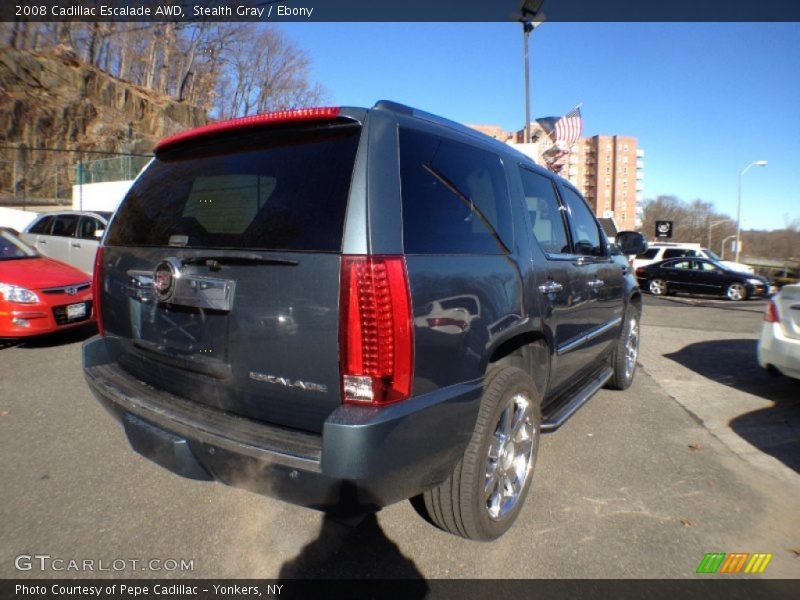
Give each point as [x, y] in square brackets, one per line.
[146, 590]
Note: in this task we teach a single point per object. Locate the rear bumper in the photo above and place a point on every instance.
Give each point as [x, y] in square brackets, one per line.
[779, 351]
[365, 458]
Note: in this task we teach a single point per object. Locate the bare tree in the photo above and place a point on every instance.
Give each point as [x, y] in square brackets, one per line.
[264, 71]
[690, 220]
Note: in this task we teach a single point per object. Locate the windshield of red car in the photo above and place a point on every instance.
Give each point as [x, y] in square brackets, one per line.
[11, 247]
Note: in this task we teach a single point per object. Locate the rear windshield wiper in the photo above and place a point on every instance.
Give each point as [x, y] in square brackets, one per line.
[215, 262]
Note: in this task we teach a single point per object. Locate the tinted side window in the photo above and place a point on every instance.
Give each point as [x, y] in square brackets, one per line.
[678, 252]
[649, 254]
[87, 228]
[585, 231]
[545, 213]
[455, 197]
[705, 266]
[65, 225]
[682, 264]
[42, 225]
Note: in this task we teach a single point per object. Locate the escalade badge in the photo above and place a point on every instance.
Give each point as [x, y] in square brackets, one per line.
[309, 386]
[164, 277]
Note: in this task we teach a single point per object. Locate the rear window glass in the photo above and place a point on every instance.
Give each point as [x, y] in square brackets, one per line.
[283, 189]
[455, 197]
[650, 253]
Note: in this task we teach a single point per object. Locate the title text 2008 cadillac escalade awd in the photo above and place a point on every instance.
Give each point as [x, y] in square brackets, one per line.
[347, 307]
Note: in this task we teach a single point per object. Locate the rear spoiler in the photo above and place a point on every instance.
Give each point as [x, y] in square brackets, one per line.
[281, 116]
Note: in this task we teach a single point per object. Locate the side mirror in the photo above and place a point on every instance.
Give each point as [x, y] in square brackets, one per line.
[631, 242]
[98, 233]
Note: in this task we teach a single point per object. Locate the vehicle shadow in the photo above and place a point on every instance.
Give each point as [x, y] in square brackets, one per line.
[353, 549]
[774, 430]
[59, 338]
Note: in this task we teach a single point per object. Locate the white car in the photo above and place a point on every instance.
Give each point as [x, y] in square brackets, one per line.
[779, 344]
[69, 236]
[659, 251]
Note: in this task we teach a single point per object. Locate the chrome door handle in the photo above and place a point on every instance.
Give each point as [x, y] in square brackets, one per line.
[551, 287]
[596, 284]
[76, 245]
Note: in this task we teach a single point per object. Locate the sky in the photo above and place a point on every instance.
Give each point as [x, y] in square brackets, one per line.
[703, 99]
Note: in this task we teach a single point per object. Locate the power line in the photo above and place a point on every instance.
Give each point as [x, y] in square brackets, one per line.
[39, 149]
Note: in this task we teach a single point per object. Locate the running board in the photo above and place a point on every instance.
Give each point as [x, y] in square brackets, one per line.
[566, 410]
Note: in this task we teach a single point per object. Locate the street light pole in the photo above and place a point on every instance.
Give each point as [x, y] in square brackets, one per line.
[757, 163]
[527, 27]
[530, 11]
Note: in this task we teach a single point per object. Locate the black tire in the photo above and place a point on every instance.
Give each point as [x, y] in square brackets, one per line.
[460, 505]
[657, 287]
[622, 362]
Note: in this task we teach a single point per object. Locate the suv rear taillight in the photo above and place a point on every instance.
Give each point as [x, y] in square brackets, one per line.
[771, 314]
[96, 288]
[375, 330]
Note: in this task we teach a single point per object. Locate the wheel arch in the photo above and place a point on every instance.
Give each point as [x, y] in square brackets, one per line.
[635, 299]
[528, 351]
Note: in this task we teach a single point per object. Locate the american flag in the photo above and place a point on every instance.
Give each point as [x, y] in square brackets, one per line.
[568, 128]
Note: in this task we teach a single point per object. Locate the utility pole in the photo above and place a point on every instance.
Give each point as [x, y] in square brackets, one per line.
[711, 225]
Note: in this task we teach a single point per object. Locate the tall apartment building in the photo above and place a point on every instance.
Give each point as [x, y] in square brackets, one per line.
[608, 170]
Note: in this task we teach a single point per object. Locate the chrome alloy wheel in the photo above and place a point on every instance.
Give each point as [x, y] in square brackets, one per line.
[631, 347]
[510, 456]
[657, 287]
[736, 291]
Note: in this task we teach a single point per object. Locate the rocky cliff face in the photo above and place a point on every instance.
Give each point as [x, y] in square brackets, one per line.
[53, 100]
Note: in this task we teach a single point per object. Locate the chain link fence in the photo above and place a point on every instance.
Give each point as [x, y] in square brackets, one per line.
[113, 168]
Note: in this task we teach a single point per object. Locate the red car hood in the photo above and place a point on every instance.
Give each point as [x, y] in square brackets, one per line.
[39, 273]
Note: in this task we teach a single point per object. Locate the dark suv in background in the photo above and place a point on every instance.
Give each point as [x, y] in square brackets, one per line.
[346, 307]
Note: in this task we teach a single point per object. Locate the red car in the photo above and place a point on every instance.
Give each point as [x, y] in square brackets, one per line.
[38, 294]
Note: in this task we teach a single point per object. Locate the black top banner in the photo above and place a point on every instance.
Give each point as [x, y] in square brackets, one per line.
[187, 11]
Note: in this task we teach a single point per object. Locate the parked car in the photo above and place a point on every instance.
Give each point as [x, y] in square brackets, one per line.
[71, 236]
[700, 276]
[37, 294]
[779, 343]
[658, 251]
[445, 300]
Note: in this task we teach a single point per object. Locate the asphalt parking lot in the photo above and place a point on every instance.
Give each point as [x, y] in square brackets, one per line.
[701, 455]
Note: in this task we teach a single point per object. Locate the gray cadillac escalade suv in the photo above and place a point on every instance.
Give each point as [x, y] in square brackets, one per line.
[346, 307]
